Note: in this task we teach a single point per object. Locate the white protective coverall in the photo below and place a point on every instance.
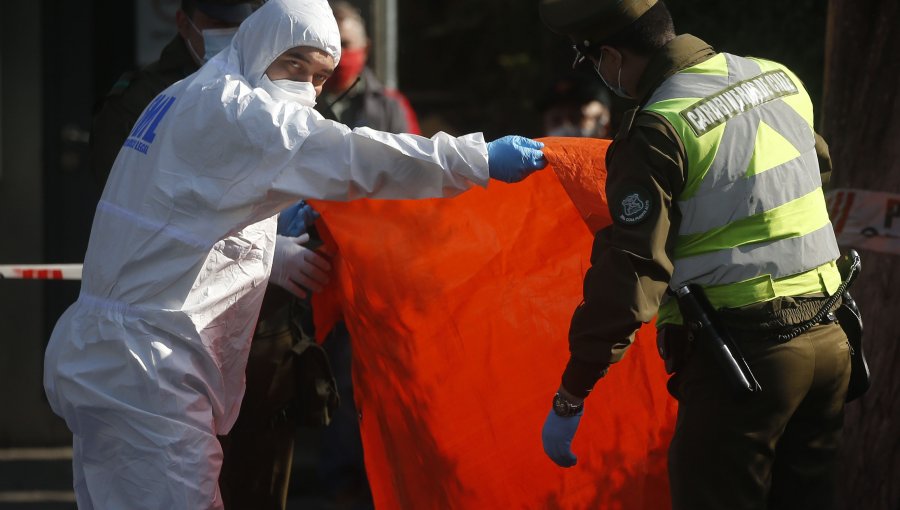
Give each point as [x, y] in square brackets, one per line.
[147, 366]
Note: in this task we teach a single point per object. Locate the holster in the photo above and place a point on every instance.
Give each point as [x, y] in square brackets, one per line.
[314, 395]
[850, 319]
[674, 344]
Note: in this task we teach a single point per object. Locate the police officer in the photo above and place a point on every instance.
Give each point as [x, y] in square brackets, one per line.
[713, 180]
[258, 450]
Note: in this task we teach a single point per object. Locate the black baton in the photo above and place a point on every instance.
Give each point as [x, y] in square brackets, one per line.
[700, 316]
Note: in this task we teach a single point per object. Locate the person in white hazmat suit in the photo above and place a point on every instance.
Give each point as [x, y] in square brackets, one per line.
[147, 366]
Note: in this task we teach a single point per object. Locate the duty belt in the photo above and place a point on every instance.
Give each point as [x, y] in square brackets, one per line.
[783, 318]
[783, 324]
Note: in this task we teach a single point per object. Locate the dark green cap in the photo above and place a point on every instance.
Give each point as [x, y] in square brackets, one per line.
[591, 21]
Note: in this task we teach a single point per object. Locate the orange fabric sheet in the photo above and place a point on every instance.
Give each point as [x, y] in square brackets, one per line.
[459, 312]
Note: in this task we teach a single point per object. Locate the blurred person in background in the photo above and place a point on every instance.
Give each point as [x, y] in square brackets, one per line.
[354, 95]
[576, 105]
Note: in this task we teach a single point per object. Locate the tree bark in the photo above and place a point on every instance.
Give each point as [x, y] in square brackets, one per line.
[861, 121]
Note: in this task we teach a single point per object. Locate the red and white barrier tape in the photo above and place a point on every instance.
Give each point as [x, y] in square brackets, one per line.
[868, 220]
[41, 271]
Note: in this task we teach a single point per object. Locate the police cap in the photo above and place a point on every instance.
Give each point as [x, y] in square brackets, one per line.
[229, 11]
[591, 21]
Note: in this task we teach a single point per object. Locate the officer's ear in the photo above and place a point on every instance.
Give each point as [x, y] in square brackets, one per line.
[611, 55]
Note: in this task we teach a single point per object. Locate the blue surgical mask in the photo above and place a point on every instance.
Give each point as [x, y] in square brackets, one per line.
[214, 41]
[619, 91]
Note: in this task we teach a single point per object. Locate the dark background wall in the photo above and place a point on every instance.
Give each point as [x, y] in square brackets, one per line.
[470, 65]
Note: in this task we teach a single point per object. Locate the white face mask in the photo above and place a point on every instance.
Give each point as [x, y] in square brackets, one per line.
[301, 92]
[214, 41]
[619, 91]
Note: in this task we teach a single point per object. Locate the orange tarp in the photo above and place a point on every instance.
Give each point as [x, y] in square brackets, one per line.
[458, 311]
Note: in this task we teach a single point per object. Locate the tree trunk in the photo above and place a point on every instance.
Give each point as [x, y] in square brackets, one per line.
[862, 124]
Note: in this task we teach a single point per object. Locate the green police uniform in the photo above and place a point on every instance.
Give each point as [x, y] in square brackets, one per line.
[258, 450]
[711, 186]
[126, 100]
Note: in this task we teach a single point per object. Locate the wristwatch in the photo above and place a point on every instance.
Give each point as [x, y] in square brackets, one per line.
[564, 408]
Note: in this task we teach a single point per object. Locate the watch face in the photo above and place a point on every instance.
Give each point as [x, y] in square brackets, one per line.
[564, 408]
[559, 405]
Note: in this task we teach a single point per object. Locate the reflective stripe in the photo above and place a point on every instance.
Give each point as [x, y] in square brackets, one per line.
[741, 68]
[766, 190]
[822, 279]
[796, 218]
[779, 258]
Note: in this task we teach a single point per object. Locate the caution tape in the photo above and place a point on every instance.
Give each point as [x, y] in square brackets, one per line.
[41, 271]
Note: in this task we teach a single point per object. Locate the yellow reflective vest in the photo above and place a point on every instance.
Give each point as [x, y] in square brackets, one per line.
[754, 221]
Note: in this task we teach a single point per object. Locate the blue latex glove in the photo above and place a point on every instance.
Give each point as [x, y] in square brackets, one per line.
[294, 220]
[513, 158]
[557, 437]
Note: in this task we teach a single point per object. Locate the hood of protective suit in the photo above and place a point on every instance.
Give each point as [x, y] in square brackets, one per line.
[278, 26]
